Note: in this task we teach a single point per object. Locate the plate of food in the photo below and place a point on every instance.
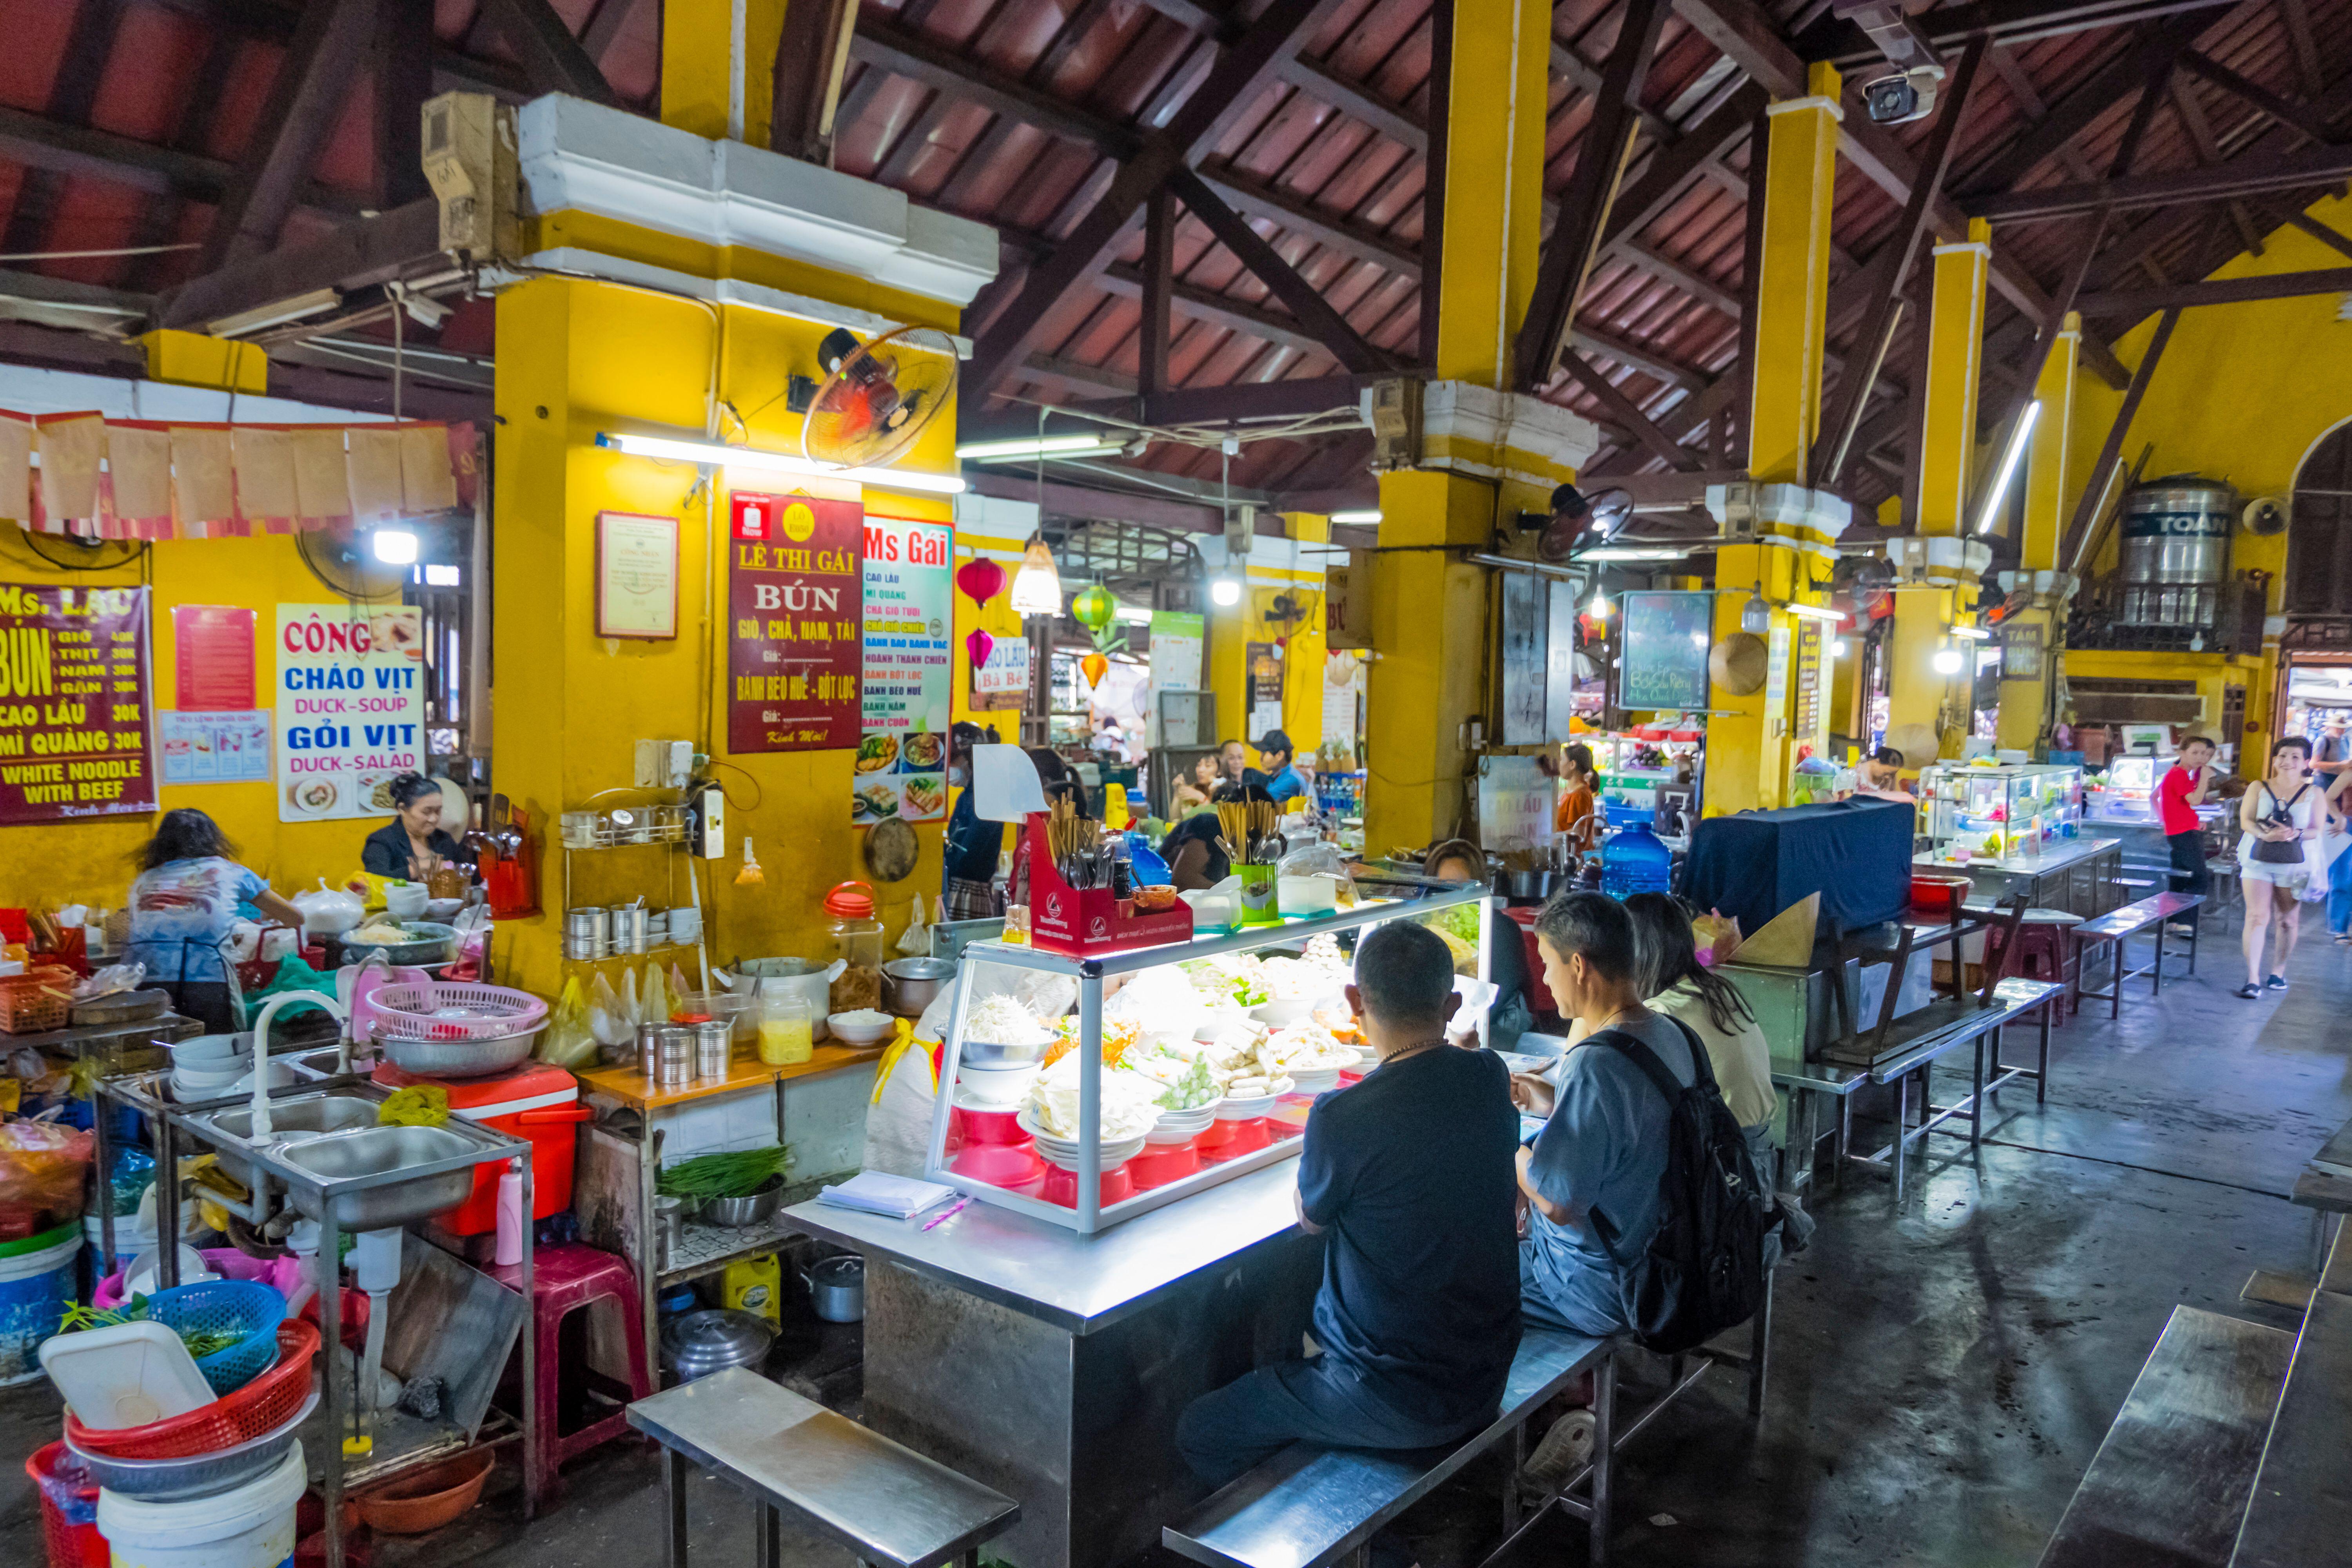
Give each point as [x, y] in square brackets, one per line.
[924, 752]
[926, 795]
[313, 797]
[877, 753]
[873, 803]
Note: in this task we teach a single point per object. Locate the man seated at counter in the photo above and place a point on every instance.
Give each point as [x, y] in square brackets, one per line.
[1408, 1175]
[1592, 1176]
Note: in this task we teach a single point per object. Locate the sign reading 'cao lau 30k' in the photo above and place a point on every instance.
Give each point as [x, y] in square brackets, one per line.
[350, 695]
[75, 732]
[795, 593]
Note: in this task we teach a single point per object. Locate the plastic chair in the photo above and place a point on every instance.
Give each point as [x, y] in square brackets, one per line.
[2041, 953]
[566, 1280]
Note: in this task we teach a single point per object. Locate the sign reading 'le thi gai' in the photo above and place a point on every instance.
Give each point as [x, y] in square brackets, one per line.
[75, 736]
[796, 597]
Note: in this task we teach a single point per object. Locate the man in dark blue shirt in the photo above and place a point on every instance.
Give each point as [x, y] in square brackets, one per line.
[1410, 1176]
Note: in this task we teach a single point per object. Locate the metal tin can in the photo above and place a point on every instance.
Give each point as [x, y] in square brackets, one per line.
[713, 1046]
[629, 929]
[649, 1047]
[673, 1055]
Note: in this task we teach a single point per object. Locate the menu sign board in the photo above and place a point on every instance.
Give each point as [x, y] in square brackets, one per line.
[350, 707]
[796, 659]
[75, 739]
[1663, 662]
[909, 615]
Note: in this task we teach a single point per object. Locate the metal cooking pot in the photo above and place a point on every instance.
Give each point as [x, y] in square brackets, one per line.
[911, 985]
[1531, 887]
[812, 982]
[837, 1288]
[700, 1344]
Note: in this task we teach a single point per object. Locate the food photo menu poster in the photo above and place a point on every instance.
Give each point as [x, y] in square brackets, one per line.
[350, 707]
[74, 735]
[909, 616]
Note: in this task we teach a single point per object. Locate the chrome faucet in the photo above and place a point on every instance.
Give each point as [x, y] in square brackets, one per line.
[260, 1129]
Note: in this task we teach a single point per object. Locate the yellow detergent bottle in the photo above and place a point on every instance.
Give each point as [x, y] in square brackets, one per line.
[754, 1285]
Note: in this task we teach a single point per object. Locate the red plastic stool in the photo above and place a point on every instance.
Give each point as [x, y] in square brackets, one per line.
[566, 1280]
[2041, 952]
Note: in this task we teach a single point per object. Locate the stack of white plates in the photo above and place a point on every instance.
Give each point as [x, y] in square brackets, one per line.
[1232, 1110]
[1175, 1126]
[1064, 1152]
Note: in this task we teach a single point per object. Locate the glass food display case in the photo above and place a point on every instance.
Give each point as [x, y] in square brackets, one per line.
[1089, 1090]
[2129, 791]
[2010, 816]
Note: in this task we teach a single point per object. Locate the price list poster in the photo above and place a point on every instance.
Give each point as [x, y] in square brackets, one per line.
[795, 595]
[76, 732]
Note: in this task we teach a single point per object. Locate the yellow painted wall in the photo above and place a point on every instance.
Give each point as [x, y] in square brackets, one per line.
[85, 861]
[569, 706]
[1231, 631]
[2243, 392]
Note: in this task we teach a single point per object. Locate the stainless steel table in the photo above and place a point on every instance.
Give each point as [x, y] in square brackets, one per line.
[1053, 1366]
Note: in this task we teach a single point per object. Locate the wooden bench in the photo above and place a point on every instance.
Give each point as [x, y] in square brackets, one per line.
[2119, 927]
[2167, 1487]
[886, 1504]
[1309, 1507]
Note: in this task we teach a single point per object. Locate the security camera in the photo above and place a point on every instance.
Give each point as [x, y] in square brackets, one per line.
[1903, 98]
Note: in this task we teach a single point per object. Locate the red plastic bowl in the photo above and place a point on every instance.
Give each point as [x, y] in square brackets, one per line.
[1161, 1163]
[1062, 1186]
[999, 1165]
[990, 1126]
[1938, 894]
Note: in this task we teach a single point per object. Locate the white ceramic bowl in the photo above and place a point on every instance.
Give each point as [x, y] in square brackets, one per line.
[1314, 1081]
[1214, 1021]
[997, 1088]
[1232, 1110]
[850, 1032]
[1177, 1126]
[1283, 1012]
[1064, 1152]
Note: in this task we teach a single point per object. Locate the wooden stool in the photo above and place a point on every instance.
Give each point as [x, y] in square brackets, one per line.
[887, 1505]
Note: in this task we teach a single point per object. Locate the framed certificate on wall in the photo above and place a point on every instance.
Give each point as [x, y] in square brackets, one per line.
[636, 576]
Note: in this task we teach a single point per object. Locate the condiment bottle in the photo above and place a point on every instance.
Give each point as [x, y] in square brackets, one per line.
[787, 1033]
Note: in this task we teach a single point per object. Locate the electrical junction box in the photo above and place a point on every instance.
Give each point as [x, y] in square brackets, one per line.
[706, 822]
[469, 158]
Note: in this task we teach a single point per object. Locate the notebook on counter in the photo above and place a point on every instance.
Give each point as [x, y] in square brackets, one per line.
[873, 1192]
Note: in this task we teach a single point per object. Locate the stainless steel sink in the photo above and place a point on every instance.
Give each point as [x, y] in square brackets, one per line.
[376, 1151]
[302, 1118]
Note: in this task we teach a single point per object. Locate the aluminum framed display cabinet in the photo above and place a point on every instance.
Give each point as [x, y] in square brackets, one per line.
[2011, 816]
[1275, 1139]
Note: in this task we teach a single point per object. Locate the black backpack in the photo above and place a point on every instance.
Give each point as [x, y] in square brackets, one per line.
[1702, 1271]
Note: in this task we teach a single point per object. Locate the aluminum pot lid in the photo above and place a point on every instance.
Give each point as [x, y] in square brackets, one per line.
[921, 969]
[717, 1335]
[847, 1269]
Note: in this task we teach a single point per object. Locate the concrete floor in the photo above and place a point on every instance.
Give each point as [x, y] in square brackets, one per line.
[1941, 1377]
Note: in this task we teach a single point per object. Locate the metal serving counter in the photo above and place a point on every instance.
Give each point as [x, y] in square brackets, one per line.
[1053, 1366]
[2081, 876]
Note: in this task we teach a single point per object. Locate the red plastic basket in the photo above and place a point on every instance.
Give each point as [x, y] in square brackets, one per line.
[68, 1512]
[261, 1406]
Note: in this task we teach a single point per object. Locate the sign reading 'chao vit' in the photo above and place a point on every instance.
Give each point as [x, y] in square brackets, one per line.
[795, 592]
[350, 695]
[75, 738]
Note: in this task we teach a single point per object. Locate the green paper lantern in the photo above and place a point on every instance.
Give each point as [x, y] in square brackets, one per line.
[1094, 607]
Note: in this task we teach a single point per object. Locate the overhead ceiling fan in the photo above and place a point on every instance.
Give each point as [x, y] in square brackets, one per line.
[878, 398]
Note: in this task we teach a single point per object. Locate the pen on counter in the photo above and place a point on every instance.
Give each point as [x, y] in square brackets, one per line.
[949, 1213]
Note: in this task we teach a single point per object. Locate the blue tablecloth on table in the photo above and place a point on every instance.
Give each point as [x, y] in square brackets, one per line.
[1856, 853]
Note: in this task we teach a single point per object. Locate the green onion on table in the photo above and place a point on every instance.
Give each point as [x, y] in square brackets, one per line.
[733, 1175]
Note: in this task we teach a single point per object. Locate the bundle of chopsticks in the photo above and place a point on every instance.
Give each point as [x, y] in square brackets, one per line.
[1081, 857]
[1247, 832]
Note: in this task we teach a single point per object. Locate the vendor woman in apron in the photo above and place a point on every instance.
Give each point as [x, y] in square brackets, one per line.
[412, 846]
[189, 892]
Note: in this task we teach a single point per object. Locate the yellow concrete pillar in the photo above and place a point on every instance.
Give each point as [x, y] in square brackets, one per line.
[1749, 745]
[1302, 664]
[1429, 608]
[2025, 699]
[1917, 692]
[1784, 409]
[1948, 388]
[1494, 184]
[717, 74]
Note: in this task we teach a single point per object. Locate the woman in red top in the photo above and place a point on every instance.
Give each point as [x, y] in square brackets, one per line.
[2182, 789]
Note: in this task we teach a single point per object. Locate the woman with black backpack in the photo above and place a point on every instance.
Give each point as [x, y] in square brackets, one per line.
[2277, 815]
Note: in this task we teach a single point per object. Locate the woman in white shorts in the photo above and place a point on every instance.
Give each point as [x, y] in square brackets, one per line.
[2277, 815]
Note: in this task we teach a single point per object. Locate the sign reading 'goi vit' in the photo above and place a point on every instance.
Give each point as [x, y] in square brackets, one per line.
[350, 694]
[75, 735]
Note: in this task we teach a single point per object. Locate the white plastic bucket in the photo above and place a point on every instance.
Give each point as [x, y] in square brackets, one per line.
[35, 1289]
[251, 1526]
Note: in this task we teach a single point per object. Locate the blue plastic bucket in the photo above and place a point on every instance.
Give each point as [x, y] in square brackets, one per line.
[36, 1285]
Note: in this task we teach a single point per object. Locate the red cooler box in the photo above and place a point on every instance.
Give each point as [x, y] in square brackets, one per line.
[534, 1101]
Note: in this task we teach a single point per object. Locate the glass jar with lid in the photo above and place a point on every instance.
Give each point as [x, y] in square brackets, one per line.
[857, 944]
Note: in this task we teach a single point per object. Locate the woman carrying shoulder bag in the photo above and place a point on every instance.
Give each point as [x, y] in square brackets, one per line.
[2277, 815]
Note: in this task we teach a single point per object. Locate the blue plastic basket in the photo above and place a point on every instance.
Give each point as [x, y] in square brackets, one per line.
[225, 1306]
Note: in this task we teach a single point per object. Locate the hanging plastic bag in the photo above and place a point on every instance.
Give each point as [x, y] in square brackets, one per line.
[916, 940]
[568, 1041]
[611, 1026]
[42, 1168]
[898, 1118]
[656, 1004]
[633, 1011]
[114, 977]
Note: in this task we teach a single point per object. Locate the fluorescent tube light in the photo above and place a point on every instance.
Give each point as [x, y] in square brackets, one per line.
[2009, 461]
[776, 463]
